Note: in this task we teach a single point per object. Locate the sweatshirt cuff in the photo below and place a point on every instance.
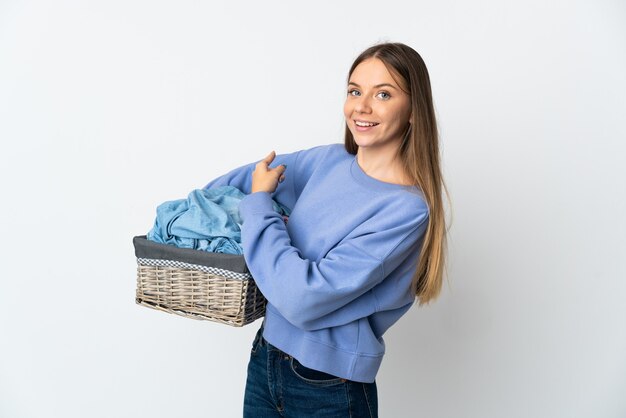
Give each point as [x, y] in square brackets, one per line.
[257, 202]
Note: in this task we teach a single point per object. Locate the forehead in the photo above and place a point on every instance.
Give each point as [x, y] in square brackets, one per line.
[373, 71]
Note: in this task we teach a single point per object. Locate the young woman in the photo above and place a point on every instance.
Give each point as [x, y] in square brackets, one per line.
[364, 239]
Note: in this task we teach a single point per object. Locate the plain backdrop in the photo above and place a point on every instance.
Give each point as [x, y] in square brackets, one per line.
[109, 108]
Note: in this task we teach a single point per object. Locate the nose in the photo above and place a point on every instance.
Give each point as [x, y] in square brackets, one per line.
[362, 105]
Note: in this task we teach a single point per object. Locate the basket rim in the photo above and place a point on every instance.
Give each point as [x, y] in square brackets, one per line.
[145, 248]
[176, 265]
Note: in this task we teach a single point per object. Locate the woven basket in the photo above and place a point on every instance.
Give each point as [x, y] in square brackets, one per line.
[196, 284]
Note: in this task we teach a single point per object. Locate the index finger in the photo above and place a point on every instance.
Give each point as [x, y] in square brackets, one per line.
[270, 157]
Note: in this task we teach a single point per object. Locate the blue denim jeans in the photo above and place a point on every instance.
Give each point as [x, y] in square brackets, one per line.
[279, 386]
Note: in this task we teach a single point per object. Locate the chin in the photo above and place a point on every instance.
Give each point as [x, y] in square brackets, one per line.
[362, 142]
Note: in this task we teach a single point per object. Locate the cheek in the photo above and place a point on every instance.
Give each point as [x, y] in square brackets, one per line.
[399, 115]
[406, 110]
[347, 110]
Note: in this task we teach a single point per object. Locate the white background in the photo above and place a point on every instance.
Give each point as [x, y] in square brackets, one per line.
[108, 108]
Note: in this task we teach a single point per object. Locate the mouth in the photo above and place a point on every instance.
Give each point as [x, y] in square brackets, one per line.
[364, 124]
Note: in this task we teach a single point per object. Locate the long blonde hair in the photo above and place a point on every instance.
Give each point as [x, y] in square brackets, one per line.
[419, 153]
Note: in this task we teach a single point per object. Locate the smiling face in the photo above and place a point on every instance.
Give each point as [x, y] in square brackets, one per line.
[375, 98]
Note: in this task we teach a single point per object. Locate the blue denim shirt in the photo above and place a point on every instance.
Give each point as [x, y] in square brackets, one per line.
[207, 220]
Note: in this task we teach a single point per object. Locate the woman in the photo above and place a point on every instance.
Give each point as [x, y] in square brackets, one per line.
[365, 237]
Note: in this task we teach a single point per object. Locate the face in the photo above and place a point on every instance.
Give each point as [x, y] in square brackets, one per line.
[374, 97]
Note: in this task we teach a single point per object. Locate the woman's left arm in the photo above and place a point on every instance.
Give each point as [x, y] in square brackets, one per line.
[318, 294]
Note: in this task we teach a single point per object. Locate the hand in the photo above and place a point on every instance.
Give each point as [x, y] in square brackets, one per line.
[265, 179]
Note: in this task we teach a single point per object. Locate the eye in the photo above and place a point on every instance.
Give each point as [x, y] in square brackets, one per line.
[353, 91]
[387, 95]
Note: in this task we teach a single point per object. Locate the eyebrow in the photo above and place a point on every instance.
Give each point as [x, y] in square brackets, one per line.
[376, 86]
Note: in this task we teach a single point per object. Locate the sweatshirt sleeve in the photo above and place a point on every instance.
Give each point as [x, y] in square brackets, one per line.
[241, 177]
[310, 294]
[300, 166]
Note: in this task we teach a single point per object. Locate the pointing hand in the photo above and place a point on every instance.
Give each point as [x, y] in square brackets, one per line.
[266, 179]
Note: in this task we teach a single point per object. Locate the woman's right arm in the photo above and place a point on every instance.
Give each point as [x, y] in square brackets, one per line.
[300, 166]
[241, 177]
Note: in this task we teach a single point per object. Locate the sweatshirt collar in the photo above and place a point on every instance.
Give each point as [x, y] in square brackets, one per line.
[374, 184]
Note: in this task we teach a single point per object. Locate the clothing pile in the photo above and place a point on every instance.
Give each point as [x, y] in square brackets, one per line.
[207, 220]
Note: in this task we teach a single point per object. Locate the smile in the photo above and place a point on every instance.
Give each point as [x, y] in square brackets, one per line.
[365, 124]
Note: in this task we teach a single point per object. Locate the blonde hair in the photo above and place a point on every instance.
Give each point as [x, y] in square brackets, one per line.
[419, 153]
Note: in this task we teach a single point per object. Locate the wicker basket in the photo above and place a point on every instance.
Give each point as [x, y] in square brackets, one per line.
[196, 284]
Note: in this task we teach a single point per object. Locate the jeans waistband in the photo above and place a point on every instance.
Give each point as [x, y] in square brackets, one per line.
[263, 342]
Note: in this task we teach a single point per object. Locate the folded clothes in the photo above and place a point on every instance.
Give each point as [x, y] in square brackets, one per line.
[207, 220]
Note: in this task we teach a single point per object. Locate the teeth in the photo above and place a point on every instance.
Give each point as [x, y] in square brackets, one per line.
[365, 124]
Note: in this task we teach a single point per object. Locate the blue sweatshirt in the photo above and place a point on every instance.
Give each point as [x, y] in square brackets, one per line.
[338, 274]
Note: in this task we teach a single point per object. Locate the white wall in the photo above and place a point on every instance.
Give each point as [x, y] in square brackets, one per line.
[108, 108]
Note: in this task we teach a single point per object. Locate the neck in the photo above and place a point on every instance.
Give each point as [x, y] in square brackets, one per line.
[382, 164]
